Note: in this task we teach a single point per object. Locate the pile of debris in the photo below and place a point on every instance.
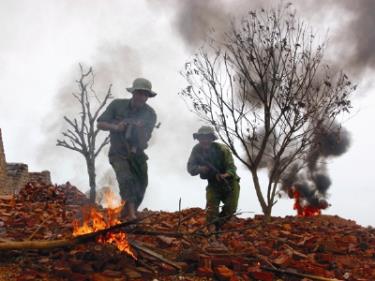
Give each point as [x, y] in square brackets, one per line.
[40, 192]
[175, 246]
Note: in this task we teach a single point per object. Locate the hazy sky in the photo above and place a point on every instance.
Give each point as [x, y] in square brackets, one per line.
[42, 42]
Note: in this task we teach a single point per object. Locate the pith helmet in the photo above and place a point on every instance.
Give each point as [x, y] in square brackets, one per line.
[205, 131]
[142, 84]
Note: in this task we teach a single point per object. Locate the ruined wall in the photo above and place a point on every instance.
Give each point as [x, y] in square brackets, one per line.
[18, 175]
[14, 176]
[43, 176]
[3, 171]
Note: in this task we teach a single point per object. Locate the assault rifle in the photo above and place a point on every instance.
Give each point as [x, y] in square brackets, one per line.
[216, 171]
[131, 123]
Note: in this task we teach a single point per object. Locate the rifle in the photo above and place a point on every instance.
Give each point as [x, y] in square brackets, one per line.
[130, 124]
[216, 171]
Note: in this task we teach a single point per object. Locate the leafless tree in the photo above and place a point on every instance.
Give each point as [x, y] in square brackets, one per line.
[269, 94]
[81, 135]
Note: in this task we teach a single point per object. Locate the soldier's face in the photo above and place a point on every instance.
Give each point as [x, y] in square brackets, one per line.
[139, 98]
[205, 141]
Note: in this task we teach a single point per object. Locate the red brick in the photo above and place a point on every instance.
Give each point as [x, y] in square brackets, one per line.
[223, 273]
[205, 272]
[262, 276]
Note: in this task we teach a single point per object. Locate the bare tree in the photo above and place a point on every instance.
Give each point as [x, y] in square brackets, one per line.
[81, 135]
[265, 88]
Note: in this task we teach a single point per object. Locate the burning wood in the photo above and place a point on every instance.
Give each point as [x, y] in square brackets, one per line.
[95, 220]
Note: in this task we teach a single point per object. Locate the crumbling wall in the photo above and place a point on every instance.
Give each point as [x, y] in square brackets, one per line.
[43, 176]
[14, 176]
[18, 175]
[3, 171]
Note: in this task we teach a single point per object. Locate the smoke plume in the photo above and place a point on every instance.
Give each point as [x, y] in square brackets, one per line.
[352, 39]
[194, 20]
[312, 180]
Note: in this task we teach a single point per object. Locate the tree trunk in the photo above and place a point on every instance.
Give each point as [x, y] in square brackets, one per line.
[267, 211]
[92, 179]
[265, 208]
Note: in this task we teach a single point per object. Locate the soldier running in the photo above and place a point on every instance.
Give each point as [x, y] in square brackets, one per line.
[130, 123]
[213, 161]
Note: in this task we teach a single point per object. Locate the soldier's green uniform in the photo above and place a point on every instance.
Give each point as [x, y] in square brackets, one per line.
[219, 159]
[126, 153]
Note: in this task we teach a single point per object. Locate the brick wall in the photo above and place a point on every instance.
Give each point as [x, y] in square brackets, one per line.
[3, 171]
[18, 175]
[14, 176]
[43, 176]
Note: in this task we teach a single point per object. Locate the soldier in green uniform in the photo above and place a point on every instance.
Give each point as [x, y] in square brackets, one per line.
[213, 161]
[130, 123]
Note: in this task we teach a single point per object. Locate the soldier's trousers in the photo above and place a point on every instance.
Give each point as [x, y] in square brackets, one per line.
[132, 178]
[216, 193]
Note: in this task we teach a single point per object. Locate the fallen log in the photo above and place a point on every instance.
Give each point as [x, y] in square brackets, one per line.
[6, 245]
[159, 233]
[294, 273]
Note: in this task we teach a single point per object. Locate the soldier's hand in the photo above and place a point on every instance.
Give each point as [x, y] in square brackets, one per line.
[221, 177]
[120, 127]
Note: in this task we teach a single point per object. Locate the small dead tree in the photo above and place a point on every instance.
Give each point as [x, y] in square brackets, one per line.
[266, 90]
[81, 135]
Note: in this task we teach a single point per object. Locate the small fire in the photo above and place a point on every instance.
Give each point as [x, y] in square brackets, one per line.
[110, 199]
[95, 220]
[305, 211]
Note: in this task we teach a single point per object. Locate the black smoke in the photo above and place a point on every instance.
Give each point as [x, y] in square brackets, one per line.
[356, 36]
[194, 20]
[352, 40]
[310, 177]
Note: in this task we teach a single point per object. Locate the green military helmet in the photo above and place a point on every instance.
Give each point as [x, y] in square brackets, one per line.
[142, 84]
[205, 131]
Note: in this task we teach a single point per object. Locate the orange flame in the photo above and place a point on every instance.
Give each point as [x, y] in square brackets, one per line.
[110, 199]
[95, 220]
[304, 211]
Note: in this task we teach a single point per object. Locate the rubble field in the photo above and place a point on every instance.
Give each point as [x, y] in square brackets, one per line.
[176, 246]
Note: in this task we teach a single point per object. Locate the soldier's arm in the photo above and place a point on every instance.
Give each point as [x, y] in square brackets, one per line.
[106, 126]
[193, 164]
[106, 120]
